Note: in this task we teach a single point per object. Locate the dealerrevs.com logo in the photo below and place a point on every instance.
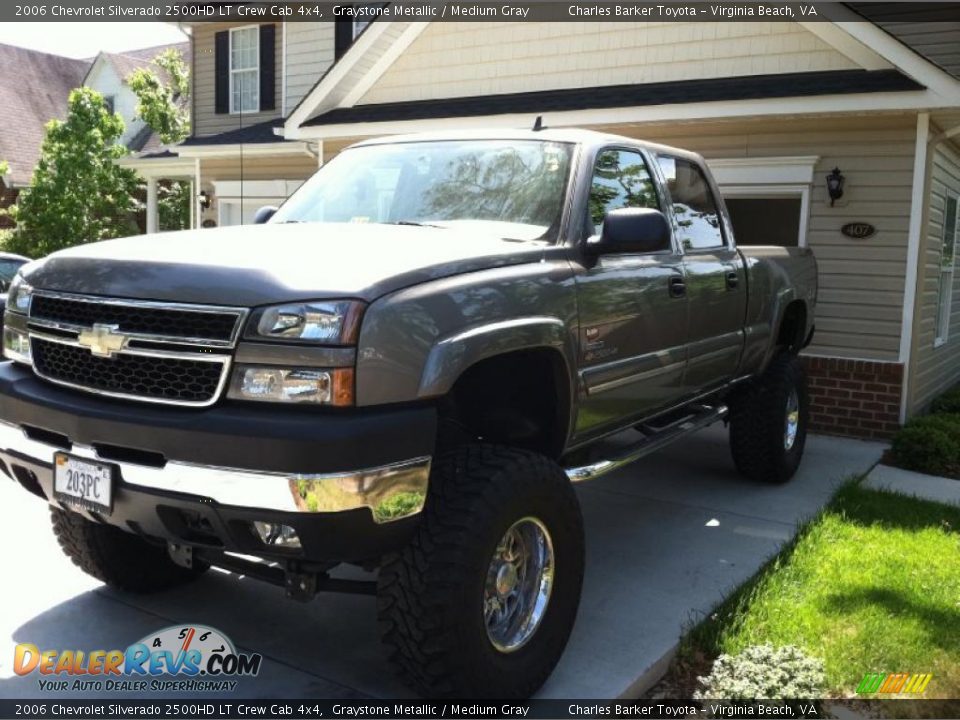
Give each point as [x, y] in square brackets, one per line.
[179, 658]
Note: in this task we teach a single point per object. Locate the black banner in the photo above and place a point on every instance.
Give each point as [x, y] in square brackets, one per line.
[466, 11]
[235, 709]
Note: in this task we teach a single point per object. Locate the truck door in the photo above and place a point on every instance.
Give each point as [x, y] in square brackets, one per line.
[633, 311]
[715, 276]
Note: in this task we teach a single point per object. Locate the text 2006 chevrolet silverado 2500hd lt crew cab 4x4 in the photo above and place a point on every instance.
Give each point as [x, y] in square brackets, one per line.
[405, 368]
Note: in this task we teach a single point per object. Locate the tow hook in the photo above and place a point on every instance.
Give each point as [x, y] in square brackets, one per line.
[182, 555]
[301, 586]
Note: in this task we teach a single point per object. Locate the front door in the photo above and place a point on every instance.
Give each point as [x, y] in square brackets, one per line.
[633, 314]
[715, 277]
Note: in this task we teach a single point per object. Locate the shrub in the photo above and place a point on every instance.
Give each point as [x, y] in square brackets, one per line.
[949, 402]
[929, 444]
[763, 672]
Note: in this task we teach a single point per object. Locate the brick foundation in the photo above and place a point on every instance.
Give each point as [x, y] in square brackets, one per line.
[856, 398]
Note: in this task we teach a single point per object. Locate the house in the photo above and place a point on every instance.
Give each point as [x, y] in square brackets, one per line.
[108, 75]
[246, 78]
[783, 111]
[50, 78]
[24, 115]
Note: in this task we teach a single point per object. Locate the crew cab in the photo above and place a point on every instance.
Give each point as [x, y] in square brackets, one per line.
[405, 367]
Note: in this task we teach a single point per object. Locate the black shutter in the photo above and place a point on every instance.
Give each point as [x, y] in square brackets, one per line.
[268, 67]
[342, 35]
[222, 72]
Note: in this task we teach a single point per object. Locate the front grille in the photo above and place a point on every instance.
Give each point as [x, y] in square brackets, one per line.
[162, 379]
[137, 318]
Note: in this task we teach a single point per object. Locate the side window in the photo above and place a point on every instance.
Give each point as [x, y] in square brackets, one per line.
[694, 207]
[620, 179]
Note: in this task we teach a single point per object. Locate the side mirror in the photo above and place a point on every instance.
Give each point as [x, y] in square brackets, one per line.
[264, 214]
[631, 230]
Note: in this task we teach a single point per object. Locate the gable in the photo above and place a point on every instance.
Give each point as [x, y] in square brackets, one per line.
[479, 58]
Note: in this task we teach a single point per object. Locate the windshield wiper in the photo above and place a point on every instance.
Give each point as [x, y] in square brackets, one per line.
[413, 223]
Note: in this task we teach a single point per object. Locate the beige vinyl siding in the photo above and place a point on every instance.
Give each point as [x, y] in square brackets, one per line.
[205, 120]
[453, 59]
[310, 49]
[934, 369]
[860, 302]
[260, 167]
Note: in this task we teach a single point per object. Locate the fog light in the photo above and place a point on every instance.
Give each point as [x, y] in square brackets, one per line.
[276, 535]
[16, 345]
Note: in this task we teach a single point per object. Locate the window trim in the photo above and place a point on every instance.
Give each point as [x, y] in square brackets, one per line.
[762, 192]
[231, 72]
[727, 244]
[658, 190]
[939, 340]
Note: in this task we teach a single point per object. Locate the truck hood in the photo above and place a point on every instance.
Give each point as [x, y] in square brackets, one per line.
[262, 264]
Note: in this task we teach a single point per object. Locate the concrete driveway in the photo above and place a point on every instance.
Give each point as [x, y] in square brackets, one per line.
[667, 539]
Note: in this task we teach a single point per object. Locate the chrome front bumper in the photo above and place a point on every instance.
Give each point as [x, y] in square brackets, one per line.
[390, 492]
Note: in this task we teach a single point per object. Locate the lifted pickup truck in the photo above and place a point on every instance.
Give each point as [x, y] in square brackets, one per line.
[405, 368]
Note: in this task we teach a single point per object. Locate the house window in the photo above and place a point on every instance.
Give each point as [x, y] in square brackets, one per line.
[245, 69]
[947, 256]
[694, 207]
[111, 102]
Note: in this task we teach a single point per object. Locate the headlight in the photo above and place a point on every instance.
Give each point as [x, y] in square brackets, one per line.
[19, 295]
[323, 322]
[16, 345]
[293, 385]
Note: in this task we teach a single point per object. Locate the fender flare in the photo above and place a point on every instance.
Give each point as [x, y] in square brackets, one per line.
[451, 356]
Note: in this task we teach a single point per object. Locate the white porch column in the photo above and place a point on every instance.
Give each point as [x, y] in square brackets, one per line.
[193, 206]
[153, 214]
[197, 187]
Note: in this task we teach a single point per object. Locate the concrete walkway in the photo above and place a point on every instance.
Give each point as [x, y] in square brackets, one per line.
[926, 487]
[667, 539]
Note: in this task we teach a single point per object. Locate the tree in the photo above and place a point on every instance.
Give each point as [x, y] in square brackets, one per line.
[77, 194]
[164, 105]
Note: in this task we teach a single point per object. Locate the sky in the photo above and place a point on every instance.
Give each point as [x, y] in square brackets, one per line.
[86, 39]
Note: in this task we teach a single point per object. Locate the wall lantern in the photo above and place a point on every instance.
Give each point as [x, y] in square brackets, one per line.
[204, 197]
[835, 185]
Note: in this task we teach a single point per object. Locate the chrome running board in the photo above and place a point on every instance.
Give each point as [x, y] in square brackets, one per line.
[706, 416]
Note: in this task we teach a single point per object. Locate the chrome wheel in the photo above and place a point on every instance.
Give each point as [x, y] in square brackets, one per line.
[793, 420]
[519, 583]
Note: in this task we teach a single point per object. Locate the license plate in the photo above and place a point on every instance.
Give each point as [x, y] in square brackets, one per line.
[82, 483]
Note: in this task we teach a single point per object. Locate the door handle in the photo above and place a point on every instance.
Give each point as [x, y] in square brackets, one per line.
[733, 280]
[678, 288]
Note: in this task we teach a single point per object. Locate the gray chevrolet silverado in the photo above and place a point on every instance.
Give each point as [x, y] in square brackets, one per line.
[405, 367]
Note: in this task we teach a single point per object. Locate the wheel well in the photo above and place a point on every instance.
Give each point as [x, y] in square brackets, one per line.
[520, 399]
[793, 326]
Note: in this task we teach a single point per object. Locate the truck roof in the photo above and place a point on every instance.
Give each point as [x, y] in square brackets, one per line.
[576, 136]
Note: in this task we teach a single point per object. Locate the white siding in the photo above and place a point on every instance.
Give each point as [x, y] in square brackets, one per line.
[477, 58]
[104, 79]
[934, 369]
[309, 54]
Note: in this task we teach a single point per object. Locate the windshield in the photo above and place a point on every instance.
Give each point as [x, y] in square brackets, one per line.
[509, 189]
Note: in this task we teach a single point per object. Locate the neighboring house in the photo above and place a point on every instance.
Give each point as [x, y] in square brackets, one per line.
[773, 106]
[108, 75]
[34, 88]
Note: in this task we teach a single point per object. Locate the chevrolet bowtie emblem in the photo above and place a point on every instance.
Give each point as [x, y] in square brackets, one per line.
[103, 340]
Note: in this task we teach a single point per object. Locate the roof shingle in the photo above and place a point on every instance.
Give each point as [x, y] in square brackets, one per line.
[34, 88]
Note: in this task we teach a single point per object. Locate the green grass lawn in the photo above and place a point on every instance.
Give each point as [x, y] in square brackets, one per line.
[871, 585]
